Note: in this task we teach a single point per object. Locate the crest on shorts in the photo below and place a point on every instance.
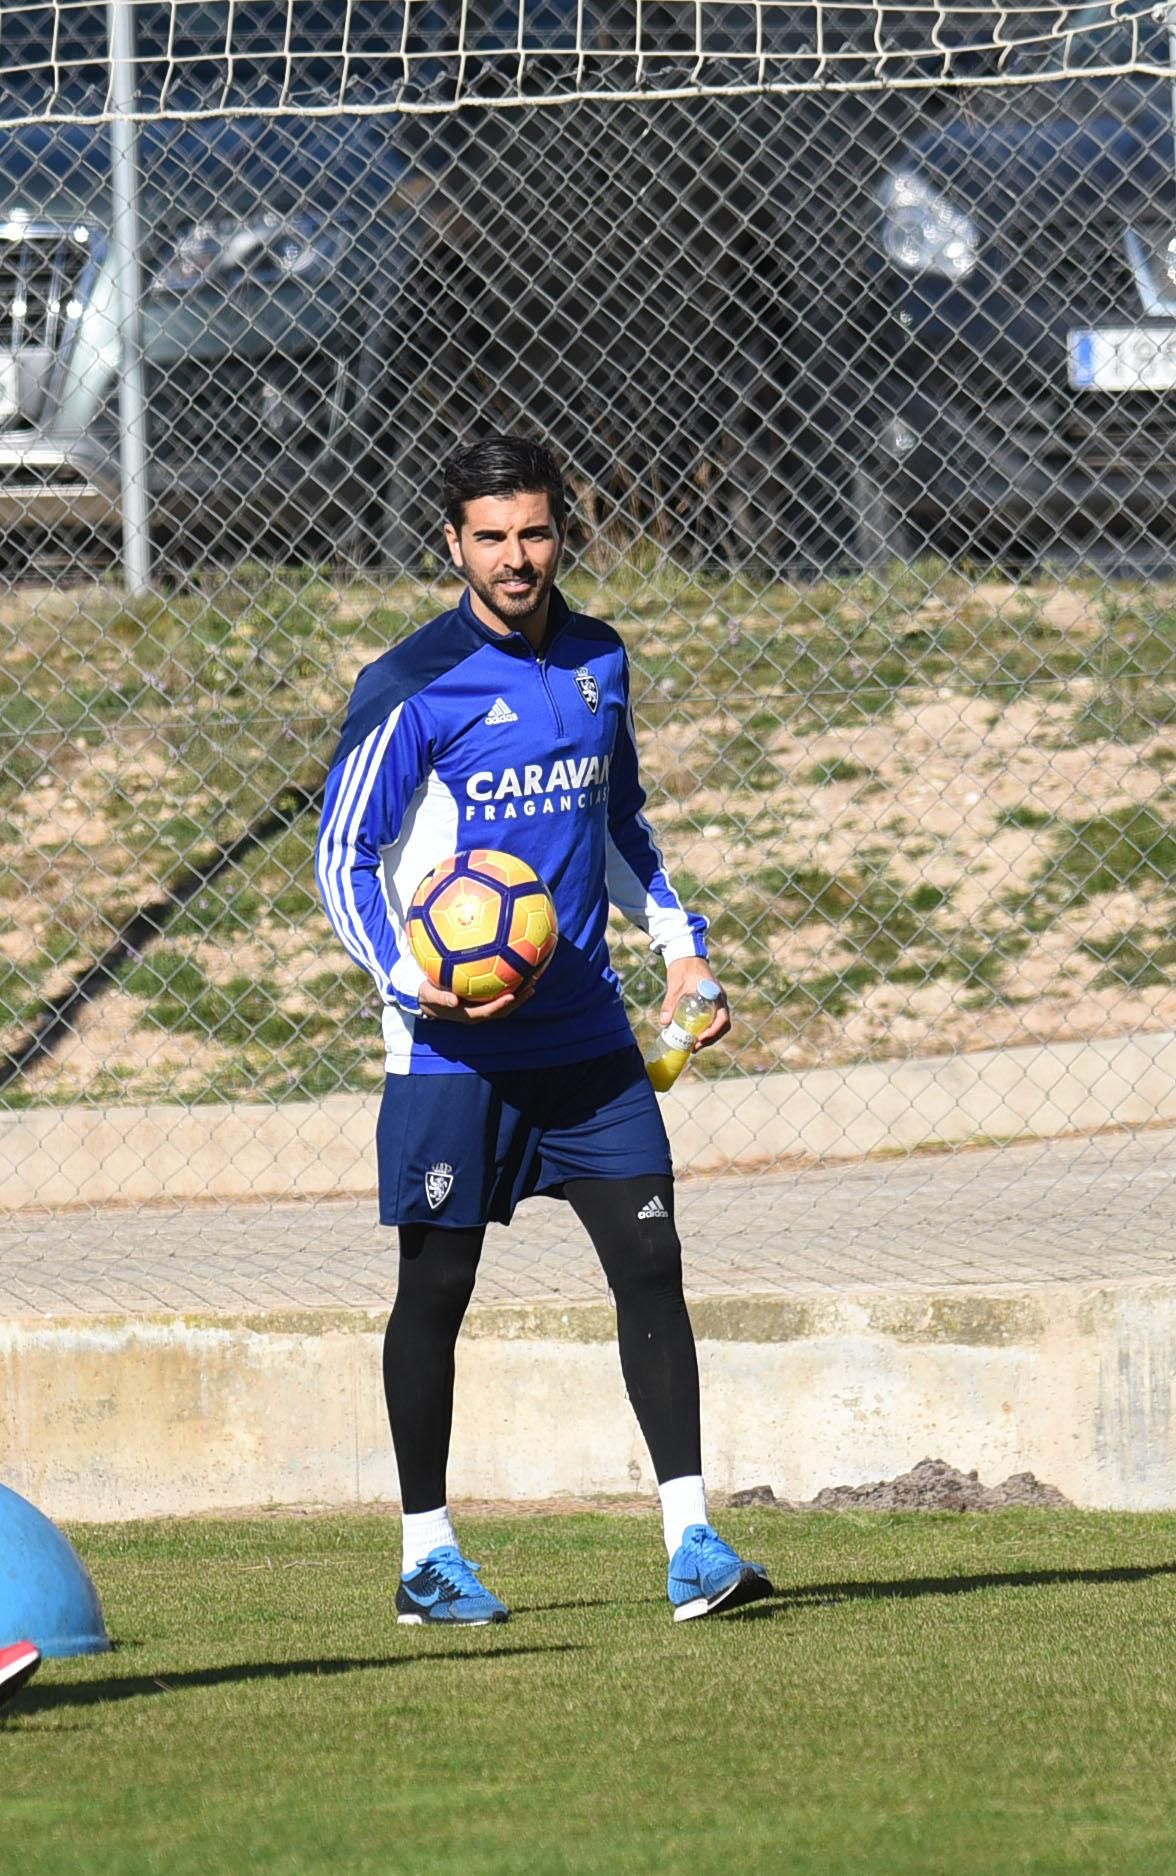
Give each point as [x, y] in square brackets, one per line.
[587, 686]
[438, 1184]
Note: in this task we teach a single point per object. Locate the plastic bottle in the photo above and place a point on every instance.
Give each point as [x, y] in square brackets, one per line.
[670, 1053]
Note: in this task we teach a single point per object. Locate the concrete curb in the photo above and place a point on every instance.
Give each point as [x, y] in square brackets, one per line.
[136, 1417]
[79, 1155]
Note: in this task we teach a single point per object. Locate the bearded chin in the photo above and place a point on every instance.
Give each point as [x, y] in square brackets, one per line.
[506, 606]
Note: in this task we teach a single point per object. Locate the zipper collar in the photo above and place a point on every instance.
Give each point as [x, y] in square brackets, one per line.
[558, 614]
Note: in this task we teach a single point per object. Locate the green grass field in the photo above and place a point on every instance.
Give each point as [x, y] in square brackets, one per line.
[929, 1695]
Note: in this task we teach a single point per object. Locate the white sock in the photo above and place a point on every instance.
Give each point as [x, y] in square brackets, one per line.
[683, 1502]
[421, 1532]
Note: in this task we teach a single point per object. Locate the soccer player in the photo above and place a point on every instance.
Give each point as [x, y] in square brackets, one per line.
[506, 723]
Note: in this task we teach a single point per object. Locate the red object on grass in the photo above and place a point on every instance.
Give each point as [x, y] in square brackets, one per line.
[18, 1663]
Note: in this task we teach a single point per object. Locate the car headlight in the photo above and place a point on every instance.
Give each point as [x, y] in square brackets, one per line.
[924, 233]
[263, 252]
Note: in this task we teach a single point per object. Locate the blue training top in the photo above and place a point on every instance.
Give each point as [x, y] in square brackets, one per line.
[460, 737]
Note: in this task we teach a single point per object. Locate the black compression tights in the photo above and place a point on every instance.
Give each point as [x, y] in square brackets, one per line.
[642, 1261]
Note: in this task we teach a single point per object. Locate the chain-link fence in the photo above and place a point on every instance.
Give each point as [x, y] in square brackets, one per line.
[867, 403]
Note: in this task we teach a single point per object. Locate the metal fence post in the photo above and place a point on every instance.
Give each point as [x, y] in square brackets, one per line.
[125, 258]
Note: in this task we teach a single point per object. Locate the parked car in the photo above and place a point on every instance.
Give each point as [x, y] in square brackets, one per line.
[1025, 263]
[263, 323]
[272, 249]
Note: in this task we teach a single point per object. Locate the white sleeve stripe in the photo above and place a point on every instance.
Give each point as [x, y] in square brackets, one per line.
[630, 895]
[647, 830]
[664, 922]
[330, 852]
[406, 967]
[332, 855]
[362, 795]
[338, 847]
[323, 853]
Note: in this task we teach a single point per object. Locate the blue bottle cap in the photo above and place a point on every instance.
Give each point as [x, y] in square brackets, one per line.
[709, 989]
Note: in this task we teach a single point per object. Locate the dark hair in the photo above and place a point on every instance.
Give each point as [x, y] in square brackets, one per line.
[501, 465]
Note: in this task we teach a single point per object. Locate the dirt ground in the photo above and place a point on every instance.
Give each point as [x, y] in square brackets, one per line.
[880, 886]
[932, 1485]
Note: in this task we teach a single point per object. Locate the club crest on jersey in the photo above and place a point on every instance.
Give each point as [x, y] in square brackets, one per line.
[588, 688]
[438, 1184]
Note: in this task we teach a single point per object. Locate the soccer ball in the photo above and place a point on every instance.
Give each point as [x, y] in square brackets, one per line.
[482, 924]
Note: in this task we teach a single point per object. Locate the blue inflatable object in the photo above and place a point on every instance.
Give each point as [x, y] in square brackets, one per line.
[46, 1594]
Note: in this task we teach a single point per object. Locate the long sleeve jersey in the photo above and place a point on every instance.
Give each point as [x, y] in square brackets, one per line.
[458, 738]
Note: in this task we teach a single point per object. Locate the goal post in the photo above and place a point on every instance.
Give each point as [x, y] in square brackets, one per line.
[126, 262]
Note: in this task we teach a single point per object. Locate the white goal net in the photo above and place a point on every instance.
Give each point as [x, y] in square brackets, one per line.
[194, 58]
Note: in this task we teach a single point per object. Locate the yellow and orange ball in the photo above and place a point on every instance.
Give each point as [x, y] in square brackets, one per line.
[482, 924]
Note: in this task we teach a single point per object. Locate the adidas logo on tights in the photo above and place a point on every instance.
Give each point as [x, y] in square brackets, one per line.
[654, 1209]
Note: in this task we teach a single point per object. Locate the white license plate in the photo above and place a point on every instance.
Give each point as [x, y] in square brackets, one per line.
[1123, 358]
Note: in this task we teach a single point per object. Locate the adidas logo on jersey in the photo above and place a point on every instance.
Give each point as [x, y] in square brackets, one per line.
[654, 1209]
[500, 712]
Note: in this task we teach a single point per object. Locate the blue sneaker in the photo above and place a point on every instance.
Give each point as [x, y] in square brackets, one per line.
[445, 1588]
[706, 1574]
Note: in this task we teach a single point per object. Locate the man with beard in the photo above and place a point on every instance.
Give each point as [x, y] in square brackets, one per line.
[506, 723]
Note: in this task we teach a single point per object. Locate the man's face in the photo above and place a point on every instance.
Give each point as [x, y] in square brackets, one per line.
[508, 550]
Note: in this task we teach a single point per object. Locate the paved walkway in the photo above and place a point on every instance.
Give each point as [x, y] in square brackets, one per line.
[1081, 1210]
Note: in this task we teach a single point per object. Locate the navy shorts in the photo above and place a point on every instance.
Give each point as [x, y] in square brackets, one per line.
[462, 1150]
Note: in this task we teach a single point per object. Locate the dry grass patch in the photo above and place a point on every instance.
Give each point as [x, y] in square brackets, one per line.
[921, 814]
